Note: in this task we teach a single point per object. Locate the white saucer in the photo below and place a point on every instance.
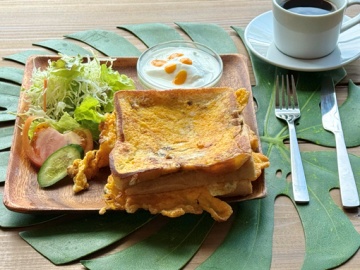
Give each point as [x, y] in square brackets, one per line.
[259, 39]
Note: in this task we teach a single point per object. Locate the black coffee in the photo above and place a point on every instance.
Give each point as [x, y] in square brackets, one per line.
[309, 7]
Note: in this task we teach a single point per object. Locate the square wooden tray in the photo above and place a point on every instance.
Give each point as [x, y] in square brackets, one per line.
[22, 192]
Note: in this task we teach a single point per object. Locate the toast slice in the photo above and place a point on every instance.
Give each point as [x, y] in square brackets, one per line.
[180, 151]
[162, 132]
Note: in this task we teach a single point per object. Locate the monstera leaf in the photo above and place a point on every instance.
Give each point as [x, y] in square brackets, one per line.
[330, 237]
[152, 33]
[83, 234]
[9, 219]
[320, 167]
[12, 74]
[104, 42]
[178, 241]
[9, 100]
[23, 56]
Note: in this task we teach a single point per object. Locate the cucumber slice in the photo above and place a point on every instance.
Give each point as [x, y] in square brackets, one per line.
[55, 166]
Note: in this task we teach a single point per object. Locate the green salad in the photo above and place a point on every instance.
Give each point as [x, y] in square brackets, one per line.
[73, 92]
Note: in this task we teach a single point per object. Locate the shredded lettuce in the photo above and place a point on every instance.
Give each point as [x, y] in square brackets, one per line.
[65, 123]
[87, 114]
[77, 91]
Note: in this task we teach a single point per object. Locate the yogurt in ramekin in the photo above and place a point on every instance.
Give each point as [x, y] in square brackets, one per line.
[179, 64]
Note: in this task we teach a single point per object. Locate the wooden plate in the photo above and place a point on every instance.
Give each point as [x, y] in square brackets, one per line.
[22, 192]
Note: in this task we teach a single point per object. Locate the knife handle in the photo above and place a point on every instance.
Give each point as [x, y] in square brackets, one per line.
[348, 190]
[300, 190]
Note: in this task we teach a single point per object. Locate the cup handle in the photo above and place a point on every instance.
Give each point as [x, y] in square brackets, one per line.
[353, 21]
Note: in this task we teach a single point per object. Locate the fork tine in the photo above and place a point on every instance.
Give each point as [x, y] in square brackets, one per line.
[288, 93]
[284, 92]
[294, 94]
[277, 95]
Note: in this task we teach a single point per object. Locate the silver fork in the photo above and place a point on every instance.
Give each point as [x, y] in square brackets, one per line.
[287, 108]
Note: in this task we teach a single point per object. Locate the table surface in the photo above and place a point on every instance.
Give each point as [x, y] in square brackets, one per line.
[23, 23]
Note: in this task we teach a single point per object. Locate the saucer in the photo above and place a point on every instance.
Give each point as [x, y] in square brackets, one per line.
[259, 39]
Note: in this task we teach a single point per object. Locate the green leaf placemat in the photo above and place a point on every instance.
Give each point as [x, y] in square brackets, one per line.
[170, 248]
[12, 74]
[211, 35]
[349, 115]
[10, 219]
[9, 89]
[4, 160]
[9, 94]
[64, 47]
[22, 57]
[83, 235]
[330, 237]
[104, 42]
[335, 239]
[331, 230]
[152, 33]
[248, 245]
[6, 136]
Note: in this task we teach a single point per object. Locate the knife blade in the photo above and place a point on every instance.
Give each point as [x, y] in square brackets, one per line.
[331, 122]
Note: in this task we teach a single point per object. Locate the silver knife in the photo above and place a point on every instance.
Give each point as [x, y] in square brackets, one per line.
[331, 122]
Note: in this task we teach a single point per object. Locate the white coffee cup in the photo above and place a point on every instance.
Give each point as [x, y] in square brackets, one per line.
[310, 36]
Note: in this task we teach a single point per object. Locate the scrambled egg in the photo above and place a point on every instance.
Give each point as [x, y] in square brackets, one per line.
[172, 204]
[84, 169]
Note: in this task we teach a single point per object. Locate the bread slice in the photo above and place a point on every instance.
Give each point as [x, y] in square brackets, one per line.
[178, 150]
[162, 132]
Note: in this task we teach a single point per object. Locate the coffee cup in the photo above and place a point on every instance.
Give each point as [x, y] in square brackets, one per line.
[310, 29]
